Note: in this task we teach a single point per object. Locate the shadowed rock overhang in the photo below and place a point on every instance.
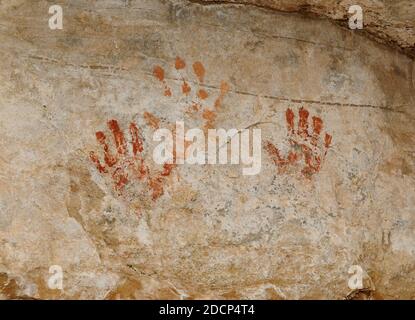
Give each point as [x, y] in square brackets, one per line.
[391, 22]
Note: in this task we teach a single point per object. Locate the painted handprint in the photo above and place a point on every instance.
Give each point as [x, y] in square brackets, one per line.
[306, 144]
[198, 95]
[127, 164]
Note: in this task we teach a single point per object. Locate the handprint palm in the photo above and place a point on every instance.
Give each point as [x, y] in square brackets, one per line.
[126, 165]
[306, 146]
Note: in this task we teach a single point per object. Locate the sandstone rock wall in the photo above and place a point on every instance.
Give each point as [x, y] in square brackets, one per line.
[391, 21]
[201, 231]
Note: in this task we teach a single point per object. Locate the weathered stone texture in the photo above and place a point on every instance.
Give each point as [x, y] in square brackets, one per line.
[387, 21]
[201, 231]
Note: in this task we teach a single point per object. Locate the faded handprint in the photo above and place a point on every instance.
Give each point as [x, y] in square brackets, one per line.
[198, 95]
[127, 164]
[306, 146]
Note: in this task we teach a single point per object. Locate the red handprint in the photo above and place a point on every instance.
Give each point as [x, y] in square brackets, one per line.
[306, 146]
[127, 165]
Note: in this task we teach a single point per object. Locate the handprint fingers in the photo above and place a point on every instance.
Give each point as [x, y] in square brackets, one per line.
[275, 154]
[118, 136]
[136, 140]
[303, 123]
[289, 116]
[109, 159]
[137, 147]
[317, 127]
[95, 160]
[313, 150]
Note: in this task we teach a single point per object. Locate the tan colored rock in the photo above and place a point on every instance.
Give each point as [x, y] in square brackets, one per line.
[201, 231]
[391, 22]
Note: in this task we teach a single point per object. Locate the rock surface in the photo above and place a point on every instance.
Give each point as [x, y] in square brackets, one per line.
[202, 231]
[388, 21]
